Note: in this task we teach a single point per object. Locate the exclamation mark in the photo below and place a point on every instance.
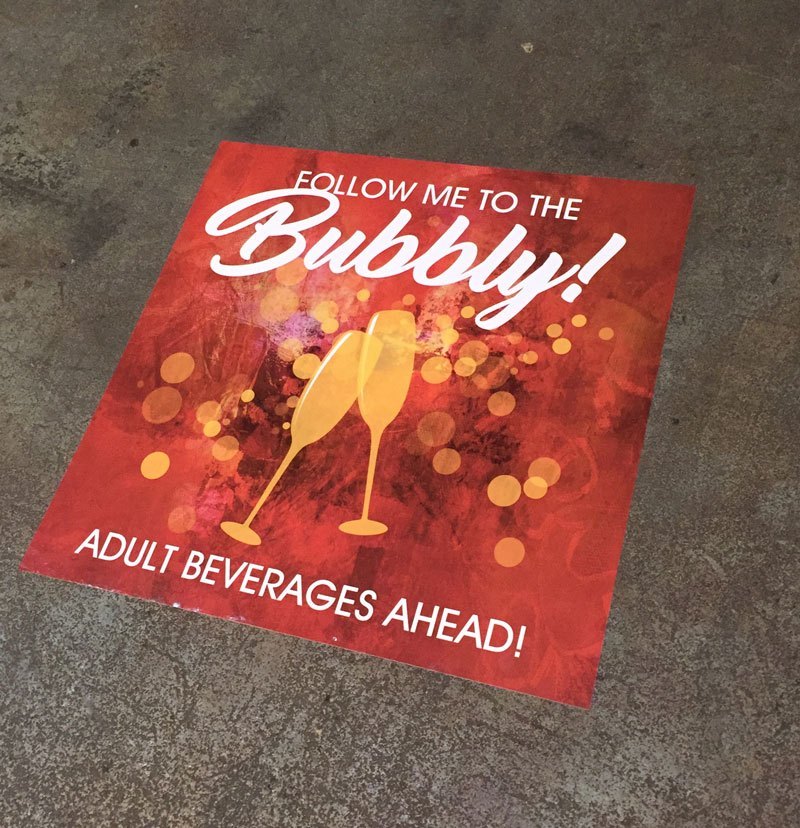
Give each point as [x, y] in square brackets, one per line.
[607, 252]
[520, 639]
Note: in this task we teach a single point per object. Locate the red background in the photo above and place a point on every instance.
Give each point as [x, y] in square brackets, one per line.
[587, 409]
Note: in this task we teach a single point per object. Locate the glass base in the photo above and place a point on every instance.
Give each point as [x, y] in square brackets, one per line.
[363, 526]
[240, 532]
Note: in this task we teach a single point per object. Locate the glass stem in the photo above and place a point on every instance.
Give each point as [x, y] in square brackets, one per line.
[374, 443]
[290, 455]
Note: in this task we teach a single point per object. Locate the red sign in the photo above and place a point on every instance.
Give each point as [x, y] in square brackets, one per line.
[390, 405]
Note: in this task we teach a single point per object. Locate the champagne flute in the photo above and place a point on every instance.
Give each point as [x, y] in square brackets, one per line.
[383, 387]
[325, 400]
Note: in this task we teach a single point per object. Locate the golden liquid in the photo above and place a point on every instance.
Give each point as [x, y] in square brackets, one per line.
[334, 387]
[384, 378]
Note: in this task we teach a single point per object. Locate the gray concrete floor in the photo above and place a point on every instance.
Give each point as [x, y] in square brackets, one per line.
[117, 712]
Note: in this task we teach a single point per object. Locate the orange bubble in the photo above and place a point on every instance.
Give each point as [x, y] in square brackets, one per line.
[155, 465]
[579, 320]
[292, 273]
[562, 346]
[409, 299]
[161, 404]
[476, 350]
[292, 401]
[225, 448]
[504, 490]
[535, 488]
[514, 338]
[529, 357]
[449, 336]
[281, 408]
[248, 395]
[363, 295]
[177, 367]
[209, 410]
[181, 519]
[212, 428]
[290, 349]
[436, 428]
[436, 370]
[446, 461]
[286, 426]
[554, 330]
[278, 304]
[465, 366]
[326, 309]
[305, 366]
[467, 312]
[501, 403]
[330, 326]
[509, 552]
[547, 468]
[491, 374]
[606, 333]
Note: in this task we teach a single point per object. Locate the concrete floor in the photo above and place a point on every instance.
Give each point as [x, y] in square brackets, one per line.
[120, 713]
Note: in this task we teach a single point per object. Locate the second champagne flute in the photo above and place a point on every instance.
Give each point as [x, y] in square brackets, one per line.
[383, 387]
